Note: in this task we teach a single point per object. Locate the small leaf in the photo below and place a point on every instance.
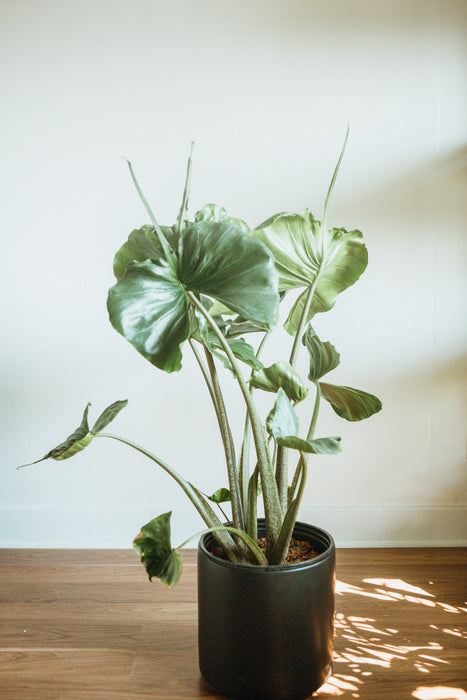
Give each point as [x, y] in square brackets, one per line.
[240, 327]
[108, 415]
[323, 356]
[82, 436]
[351, 404]
[221, 496]
[142, 244]
[282, 420]
[74, 443]
[76, 447]
[321, 446]
[241, 349]
[214, 212]
[281, 375]
[156, 553]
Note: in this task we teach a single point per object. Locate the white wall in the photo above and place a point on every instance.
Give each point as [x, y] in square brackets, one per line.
[266, 89]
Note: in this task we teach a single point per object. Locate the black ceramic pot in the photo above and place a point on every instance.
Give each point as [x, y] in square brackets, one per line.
[266, 632]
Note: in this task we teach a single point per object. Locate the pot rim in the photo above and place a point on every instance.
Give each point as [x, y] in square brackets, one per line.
[260, 569]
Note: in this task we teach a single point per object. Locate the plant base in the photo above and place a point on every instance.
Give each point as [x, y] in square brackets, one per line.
[267, 632]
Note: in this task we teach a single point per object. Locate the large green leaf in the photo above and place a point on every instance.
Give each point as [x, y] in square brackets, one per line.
[306, 254]
[351, 404]
[156, 553]
[214, 212]
[219, 260]
[323, 356]
[149, 305]
[281, 375]
[142, 244]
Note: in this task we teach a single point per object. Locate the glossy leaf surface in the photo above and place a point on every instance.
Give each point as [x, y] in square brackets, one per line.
[156, 553]
[149, 307]
[281, 375]
[219, 260]
[306, 254]
[351, 404]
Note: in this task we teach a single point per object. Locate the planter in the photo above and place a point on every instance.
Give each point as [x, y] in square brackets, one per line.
[267, 632]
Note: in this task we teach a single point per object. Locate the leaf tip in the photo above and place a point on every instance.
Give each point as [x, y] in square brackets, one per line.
[29, 464]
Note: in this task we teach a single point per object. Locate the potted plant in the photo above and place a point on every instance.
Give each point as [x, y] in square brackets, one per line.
[265, 626]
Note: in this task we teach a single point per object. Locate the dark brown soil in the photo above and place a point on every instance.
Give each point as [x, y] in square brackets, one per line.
[298, 551]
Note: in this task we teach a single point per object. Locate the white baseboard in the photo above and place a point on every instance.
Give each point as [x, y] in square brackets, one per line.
[116, 527]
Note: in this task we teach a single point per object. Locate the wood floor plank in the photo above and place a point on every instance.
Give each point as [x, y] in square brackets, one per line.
[87, 624]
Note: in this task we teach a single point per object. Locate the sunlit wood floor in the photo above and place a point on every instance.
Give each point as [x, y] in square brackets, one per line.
[88, 624]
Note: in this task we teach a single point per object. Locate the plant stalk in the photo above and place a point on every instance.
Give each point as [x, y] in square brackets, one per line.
[168, 252]
[186, 192]
[206, 376]
[201, 505]
[303, 320]
[227, 441]
[314, 417]
[270, 494]
[244, 470]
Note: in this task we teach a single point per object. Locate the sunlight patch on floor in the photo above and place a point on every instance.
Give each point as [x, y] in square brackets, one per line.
[398, 585]
[365, 648]
[439, 693]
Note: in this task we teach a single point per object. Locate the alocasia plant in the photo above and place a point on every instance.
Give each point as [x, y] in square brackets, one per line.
[203, 284]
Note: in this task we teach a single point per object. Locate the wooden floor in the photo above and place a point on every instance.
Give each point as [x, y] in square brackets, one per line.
[78, 624]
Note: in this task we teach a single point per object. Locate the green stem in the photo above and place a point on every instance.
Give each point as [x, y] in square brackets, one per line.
[281, 547]
[314, 418]
[311, 432]
[282, 454]
[334, 178]
[168, 252]
[186, 192]
[227, 441]
[271, 497]
[251, 544]
[251, 518]
[244, 468]
[282, 468]
[293, 485]
[203, 508]
[206, 377]
[311, 291]
[303, 320]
